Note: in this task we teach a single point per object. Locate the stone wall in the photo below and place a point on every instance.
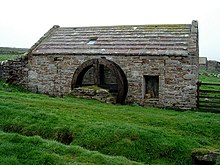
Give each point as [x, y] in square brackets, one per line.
[205, 64]
[14, 71]
[52, 75]
[213, 65]
[178, 75]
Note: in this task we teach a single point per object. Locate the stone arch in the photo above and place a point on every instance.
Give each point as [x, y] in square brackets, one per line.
[122, 84]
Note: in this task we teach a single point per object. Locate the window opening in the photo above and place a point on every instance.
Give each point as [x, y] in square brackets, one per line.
[92, 41]
[151, 87]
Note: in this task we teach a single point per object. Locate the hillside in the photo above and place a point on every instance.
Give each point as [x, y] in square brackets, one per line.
[9, 50]
[55, 129]
[209, 76]
[37, 129]
[7, 53]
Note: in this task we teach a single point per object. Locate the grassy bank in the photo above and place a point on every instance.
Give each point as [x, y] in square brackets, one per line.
[20, 150]
[147, 135]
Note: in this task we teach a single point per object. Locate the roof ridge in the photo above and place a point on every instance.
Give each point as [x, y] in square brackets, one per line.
[46, 35]
[110, 26]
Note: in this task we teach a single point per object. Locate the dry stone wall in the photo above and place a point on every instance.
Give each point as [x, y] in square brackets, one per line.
[52, 74]
[213, 65]
[205, 64]
[14, 71]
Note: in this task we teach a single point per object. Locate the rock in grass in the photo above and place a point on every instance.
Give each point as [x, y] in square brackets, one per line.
[204, 157]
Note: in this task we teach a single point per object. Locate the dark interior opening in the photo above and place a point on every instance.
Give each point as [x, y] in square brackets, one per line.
[102, 73]
[101, 76]
[151, 87]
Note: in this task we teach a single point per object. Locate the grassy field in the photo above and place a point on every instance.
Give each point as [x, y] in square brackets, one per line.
[7, 53]
[37, 129]
[10, 50]
[4, 57]
[18, 149]
[209, 79]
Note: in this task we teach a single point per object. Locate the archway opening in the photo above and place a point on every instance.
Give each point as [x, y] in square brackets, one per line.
[102, 73]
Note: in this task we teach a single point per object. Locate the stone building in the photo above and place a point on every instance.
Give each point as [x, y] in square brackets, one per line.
[154, 65]
[213, 65]
[205, 64]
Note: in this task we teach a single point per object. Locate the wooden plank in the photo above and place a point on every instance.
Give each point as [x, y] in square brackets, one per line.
[210, 97]
[211, 84]
[209, 106]
[209, 91]
[213, 110]
[209, 101]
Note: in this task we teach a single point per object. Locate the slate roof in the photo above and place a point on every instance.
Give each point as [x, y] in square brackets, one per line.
[169, 39]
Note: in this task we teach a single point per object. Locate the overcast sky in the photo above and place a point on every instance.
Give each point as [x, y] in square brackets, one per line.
[23, 22]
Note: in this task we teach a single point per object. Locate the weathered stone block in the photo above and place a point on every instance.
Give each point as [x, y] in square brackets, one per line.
[189, 76]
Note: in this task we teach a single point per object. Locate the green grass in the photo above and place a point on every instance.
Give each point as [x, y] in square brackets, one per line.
[7, 53]
[9, 50]
[4, 57]
[209, 79]
[18, 149]
[118, 134]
